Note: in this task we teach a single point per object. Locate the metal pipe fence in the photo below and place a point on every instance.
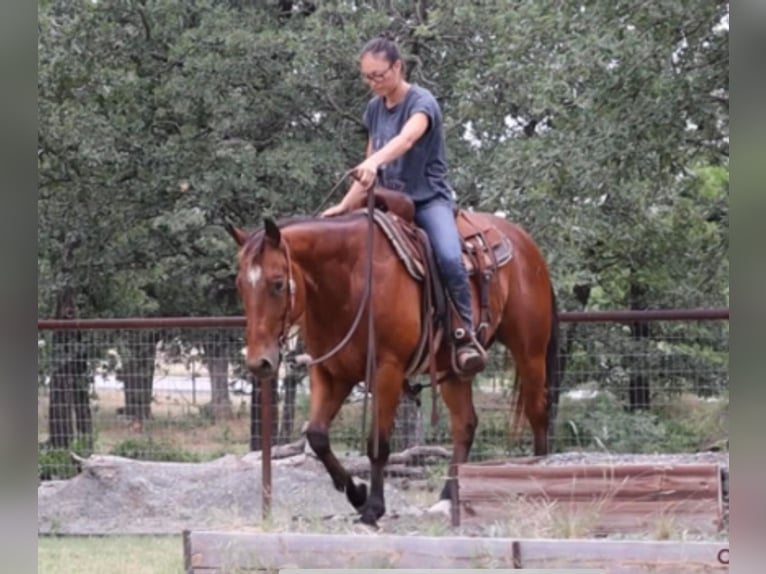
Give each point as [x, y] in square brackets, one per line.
[176, 389]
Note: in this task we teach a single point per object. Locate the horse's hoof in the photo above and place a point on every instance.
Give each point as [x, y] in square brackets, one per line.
[357, 495]
[372, 512]
[442, 507]
[368, 518]
[362, 520]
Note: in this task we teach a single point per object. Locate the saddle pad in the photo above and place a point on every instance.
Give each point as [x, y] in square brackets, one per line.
[402, 237]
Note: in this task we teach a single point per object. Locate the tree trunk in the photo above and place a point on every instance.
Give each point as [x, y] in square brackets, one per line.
[408, 425]
[138, 373]
[582, 294]
[218, 367]
[291, 382]
[70, 366]
[255, 414]
[83, 416]
[639, 396]
[295, 374]
[60, 424]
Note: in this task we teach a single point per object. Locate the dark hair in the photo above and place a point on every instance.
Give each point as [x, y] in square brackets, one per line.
[382, 44]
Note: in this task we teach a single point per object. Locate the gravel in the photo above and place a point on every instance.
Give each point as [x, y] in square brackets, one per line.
[114, 495]
[118, 495]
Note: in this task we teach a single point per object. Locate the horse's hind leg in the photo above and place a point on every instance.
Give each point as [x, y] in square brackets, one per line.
[531, 370]
[326, 401]
[529, 359]
[458, 396]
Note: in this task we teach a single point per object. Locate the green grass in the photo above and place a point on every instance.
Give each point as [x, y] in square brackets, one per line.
[113, 554]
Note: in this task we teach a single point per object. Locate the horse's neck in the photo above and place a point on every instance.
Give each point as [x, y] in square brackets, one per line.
[325, 255]
[322, 251]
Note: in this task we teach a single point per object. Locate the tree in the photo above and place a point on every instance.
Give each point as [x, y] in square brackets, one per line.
[602, 127]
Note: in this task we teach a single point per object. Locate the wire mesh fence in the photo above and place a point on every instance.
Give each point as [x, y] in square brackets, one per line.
[177, 390]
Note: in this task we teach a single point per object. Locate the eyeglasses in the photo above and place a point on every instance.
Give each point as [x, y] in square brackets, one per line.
[377, 76]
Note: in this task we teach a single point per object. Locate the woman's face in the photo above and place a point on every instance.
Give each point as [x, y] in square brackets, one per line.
[381, 75]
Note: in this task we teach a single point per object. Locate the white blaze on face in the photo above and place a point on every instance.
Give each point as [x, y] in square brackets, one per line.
[254, 275]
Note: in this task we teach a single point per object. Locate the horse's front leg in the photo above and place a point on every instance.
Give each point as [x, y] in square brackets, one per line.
[326, 401]
[389, 381]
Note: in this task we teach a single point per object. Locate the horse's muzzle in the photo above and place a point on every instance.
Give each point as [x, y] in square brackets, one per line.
[262, 367]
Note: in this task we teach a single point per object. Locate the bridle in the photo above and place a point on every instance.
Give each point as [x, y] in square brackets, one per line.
[366, 301]
[290, 307]
[305, 359]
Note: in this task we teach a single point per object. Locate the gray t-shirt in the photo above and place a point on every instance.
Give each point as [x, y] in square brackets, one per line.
[422, 171]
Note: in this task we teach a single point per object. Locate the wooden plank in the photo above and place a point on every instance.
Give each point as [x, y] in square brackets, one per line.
[186, 536]
[614, 471]
[657, 508]
[648, 484]
[210, 551]
[512, 460]
[598, 519]
[624, 557]
[575, 490]
[625, 498]
[207, 552]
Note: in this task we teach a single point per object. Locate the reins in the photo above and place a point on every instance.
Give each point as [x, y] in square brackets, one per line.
[329, 194]
[366, 301]
[305, 359]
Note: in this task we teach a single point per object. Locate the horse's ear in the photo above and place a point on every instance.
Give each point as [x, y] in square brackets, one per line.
[272, 230]
[238, 234]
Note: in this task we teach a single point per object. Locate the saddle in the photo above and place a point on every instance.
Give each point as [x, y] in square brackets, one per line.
[484, 248]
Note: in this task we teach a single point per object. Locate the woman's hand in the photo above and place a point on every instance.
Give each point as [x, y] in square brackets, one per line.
[366, 172]
[337, 209]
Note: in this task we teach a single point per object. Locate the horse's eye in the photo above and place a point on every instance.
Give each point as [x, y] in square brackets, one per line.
[278, 285]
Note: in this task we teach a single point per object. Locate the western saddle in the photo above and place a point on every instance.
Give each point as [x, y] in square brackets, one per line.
[485, 249]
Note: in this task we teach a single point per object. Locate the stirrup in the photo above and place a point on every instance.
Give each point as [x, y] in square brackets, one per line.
[460, 334]
[467, 344]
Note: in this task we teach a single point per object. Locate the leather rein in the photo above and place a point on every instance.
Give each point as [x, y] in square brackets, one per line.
[306, 359]
[366, 301]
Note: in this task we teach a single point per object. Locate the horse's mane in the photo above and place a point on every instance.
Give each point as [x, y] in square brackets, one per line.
[255, 240]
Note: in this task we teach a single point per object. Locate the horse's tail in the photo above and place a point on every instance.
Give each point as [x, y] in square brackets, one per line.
[516, 404]
[554, 369]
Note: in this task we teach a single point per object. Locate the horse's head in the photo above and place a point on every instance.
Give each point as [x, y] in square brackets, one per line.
[267, 290]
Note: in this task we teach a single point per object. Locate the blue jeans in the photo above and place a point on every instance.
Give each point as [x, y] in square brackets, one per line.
[437, 219]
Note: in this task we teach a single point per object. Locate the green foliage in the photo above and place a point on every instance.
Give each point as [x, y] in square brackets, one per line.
[57, 463]
[603, 424]
[602, 127]
[155, 450]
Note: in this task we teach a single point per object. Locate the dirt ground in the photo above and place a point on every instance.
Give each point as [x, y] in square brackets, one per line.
[113, 495]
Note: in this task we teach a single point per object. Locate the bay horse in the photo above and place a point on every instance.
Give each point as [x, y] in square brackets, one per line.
[311, 273]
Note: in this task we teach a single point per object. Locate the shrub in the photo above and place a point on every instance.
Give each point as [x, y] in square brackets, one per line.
[602, 423]
[149, 449]
[57, 463]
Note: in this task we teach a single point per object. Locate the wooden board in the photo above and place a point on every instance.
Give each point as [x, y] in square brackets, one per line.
[624, 557]
[211, 551]
[614, 498]
[207, 552]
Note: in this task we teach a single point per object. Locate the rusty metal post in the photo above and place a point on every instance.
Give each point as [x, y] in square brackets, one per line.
[454, 495]
[266, 446]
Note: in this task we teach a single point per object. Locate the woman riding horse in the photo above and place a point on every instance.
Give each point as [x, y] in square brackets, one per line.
[406, 152]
